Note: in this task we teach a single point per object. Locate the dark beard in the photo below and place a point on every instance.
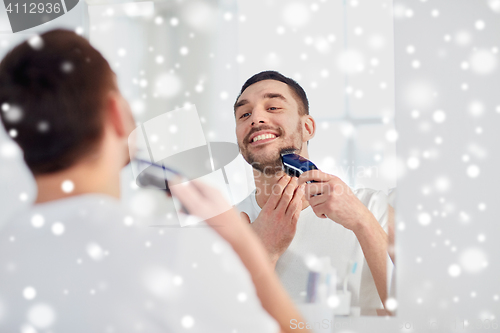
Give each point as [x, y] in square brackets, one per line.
[274, 166]
[270, 168]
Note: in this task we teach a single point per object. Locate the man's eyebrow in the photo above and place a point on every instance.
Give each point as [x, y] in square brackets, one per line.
[275, 95]
[240, 103]
[267, 96]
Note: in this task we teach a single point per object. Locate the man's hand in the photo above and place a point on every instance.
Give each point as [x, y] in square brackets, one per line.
[331, 197]
[277, 222]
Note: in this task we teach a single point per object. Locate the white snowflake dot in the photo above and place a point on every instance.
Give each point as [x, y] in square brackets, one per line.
[177, 280]
[128, 221]
[41, 315]
[473, 171]
[454, 270]
[67, 186]
[174, 21]
[333, 301]
[37, 221]
[159, 59]
[36, 42]
[187, 321]
[476, 108]
[94, 251]
[439, 116]
[424, 218]
[29, 293]
[242, 297]
[58, 228]
[391, 304]
[122, 52]
[184, 50]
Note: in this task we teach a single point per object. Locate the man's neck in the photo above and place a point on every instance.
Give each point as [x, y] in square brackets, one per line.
[264, 184]
[98, 176]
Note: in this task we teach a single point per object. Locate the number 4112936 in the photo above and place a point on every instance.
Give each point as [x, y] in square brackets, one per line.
[34, 8]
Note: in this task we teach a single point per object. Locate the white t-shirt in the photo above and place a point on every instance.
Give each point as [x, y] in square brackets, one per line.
[324, 238]
[82, 264]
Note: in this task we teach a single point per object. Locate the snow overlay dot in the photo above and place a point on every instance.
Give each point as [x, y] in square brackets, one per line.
[37, 221]
[159, 59]
[473, 171]
[439, 116]
[177, 280]
[128, 221]
[41, 315]
[480, 25]
[424, 218]
[413, 162]
[58, 228]
[483, 62]
[473, 260]
[333, 301]
[476, 108]
[454, 270]
[174, 21]
[391, 135]
[29, 293]
[391, 304]
[296, 14]
[36, 42]
[242, 297]
[187, 321]
[95, 251]
[184, 50]
[67, 186]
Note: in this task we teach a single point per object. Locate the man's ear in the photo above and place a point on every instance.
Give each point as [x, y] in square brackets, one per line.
[115, 114]
[309, 128]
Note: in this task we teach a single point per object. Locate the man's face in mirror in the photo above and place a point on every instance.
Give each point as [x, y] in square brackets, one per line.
[267, 121]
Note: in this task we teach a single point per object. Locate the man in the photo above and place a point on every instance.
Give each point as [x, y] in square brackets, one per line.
[316, 219]
[76, 261]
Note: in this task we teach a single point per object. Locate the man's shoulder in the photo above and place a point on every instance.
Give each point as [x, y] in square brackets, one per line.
[249, 206]
[376, 201]
[367, 195]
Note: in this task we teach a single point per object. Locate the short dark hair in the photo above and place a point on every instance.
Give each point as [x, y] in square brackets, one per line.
[52, 95]
[297, 90]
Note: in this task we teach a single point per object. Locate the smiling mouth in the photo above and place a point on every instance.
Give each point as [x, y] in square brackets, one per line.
[263, 138]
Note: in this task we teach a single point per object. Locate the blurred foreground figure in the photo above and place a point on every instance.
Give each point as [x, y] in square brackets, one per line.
[77, 261]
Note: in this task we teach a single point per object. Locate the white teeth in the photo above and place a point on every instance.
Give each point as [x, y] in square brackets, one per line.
[263, 136]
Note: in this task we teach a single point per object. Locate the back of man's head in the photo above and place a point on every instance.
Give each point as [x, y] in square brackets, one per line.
[52, 95]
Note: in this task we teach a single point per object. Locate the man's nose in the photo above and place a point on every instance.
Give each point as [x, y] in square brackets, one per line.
[259, 117]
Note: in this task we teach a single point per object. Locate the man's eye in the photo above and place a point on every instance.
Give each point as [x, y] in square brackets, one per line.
[244, 114]
[272, 108]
